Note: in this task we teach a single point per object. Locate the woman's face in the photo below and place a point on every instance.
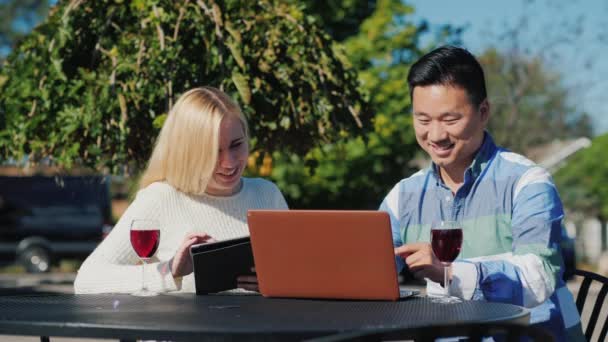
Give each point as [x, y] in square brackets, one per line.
[232, 158]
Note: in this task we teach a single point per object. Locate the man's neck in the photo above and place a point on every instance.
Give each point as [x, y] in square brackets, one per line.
[453, 178]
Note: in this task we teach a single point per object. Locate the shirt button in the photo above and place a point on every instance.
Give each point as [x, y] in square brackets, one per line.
[447, 198]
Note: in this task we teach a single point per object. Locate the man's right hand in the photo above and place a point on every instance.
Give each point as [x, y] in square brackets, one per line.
[421, 261]
[181, 264]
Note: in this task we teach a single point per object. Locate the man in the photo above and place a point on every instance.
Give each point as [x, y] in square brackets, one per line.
[509, 208]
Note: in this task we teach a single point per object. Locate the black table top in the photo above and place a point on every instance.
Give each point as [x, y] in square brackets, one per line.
[229, 317]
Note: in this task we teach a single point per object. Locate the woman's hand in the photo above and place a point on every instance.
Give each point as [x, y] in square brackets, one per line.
[248, 282]
[421, 261]
[181, 264]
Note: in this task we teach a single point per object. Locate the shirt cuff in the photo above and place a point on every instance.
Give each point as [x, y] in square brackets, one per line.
[465, 278]
[169, 282]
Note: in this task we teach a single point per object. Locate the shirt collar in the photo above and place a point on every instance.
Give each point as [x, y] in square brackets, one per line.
[483, 156]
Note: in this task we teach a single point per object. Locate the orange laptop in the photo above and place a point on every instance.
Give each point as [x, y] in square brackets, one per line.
[324, 254]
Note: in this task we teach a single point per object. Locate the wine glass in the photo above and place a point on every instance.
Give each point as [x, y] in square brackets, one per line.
[446, 241]
[145, 236]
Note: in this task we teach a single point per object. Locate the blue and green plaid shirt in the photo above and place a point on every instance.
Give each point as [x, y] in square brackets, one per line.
[511, 215]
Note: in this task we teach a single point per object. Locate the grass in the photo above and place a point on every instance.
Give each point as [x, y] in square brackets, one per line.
[12, 269]
[67, 266]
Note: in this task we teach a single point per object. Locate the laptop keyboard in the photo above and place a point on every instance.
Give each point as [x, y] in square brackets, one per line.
[403, 293]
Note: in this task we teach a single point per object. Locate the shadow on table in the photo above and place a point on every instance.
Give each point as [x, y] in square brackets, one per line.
[474, 332]
[24, 291]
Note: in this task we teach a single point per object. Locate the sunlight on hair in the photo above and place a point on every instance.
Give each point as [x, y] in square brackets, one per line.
[186, 149]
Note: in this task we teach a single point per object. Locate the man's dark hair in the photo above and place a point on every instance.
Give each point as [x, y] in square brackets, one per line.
[450, 65]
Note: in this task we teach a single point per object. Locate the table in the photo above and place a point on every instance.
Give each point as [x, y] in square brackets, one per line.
[229, 317]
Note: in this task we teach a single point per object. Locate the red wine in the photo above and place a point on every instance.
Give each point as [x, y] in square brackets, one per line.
[145, 242]
[446, 243]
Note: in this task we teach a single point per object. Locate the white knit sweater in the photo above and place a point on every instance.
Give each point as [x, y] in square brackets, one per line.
[114, 267]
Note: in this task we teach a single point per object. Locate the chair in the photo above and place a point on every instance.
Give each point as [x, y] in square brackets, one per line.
[474, 331]
[581, 298]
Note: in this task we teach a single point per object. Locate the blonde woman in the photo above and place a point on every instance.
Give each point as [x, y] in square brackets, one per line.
[193, 188]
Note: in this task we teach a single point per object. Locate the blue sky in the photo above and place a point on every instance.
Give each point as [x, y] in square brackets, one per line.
[549, 31]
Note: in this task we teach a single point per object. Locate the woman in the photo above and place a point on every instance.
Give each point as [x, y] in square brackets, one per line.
[193, 188]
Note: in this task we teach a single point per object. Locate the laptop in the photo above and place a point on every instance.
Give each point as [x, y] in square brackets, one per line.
[324, 254]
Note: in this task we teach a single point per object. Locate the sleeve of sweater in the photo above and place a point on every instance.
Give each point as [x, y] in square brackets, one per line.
[278, 199]
[113, 267]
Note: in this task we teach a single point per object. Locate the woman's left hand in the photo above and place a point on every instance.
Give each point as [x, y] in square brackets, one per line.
[181, 263]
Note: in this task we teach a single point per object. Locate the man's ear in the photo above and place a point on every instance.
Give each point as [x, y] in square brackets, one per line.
[484, 112]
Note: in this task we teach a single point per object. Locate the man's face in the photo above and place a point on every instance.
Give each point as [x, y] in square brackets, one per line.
[448, 127]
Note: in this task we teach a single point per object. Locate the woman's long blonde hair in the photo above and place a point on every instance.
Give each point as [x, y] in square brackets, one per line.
[186, 149]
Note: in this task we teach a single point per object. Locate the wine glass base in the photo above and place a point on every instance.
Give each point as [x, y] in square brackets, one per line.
[144, 293]
[446, 300]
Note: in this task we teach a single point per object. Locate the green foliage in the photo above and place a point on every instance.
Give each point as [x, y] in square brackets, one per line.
[582, 181]
[529, 103]
[93, 84]
[17, 17]
[355, 172]
[340, 18]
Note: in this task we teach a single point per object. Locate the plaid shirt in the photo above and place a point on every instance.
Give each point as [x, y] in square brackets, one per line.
[511, 216]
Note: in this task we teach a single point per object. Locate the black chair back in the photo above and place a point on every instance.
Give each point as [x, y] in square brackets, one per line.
[474, 332]
[581, 298]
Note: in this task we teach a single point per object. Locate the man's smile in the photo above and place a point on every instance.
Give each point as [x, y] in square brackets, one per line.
[442, 149]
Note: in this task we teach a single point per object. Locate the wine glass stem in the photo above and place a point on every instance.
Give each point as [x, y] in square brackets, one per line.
[446, 284]
[143, 274]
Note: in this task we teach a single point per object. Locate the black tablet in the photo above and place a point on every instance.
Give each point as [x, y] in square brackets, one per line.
[217, 264]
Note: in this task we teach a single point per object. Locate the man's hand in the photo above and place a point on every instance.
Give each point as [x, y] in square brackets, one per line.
[181, 264]
[421, 261]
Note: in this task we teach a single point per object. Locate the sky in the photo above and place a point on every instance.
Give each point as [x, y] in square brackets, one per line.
[547, 27]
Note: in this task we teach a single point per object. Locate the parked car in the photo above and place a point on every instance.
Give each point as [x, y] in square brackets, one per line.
[44, 219]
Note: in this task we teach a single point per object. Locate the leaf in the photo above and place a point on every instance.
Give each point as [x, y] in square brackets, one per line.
[286, 122]
[138, 4]
[236, 54]
[114, 52]
[242, 86]
[58, 68]
[159, 121]
[217, 15]
[94, 150]
[236, 34]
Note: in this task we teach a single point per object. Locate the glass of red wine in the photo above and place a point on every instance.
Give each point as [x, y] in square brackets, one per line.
[446, 241]
[145, 236]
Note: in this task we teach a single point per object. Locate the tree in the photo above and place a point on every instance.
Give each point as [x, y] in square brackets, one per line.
[582, 181]
[540, 71]
[94, 82]
[17, 17]
[358, 172]
[530, 104]
[340, 18]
